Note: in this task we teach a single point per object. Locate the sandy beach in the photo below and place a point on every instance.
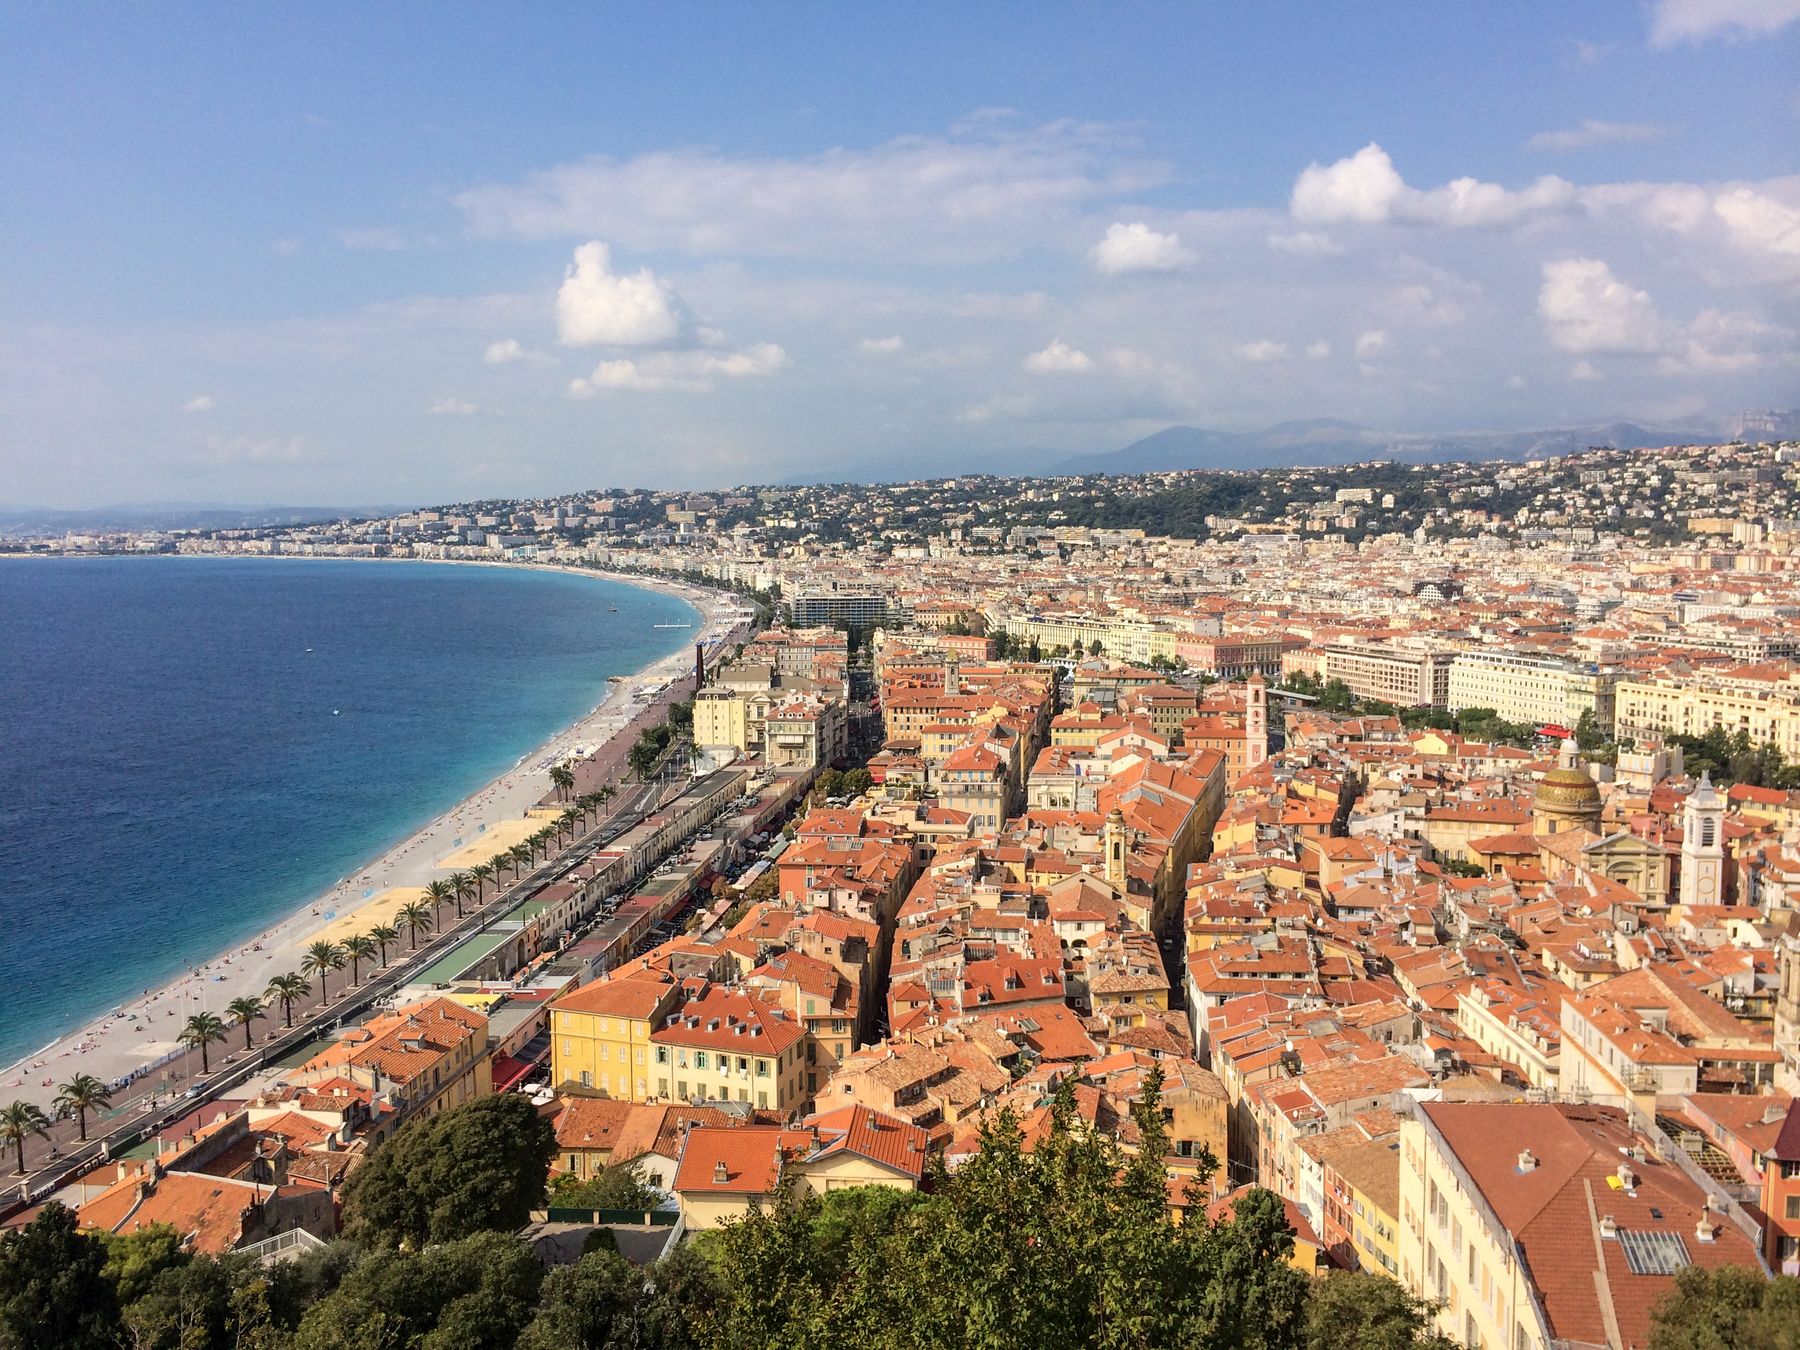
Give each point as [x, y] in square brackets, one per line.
[136, 1036]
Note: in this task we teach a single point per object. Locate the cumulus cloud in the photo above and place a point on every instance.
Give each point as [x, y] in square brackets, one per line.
[598, 307]
[1718, 342]
[1683, 21]
[976, 193]
[1318, 351]
[1366, 189]
[1759, 222]
[1371, 344]
[881, 346]
[685, 371]
[1586, 309]
[1592, 132]
[1584, 370]
[453, 407]
[1059, 358]
[1135, 247]
[200, 403]
[1263, 352]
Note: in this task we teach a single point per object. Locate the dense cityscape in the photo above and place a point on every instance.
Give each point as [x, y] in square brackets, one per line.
[1402, 858]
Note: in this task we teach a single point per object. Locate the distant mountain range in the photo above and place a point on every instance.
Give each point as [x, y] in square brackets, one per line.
[32, 523]
[1327, 441]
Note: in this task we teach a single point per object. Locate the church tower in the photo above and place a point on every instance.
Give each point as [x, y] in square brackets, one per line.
[1256, 721]
[1703, 846]
[1114, 845]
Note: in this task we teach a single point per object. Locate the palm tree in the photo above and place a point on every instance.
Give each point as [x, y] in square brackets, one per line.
[382, 934]
[566, 821]
[437, 892]
[359, 949]
[501, 861]
[520, 855]
[289, 988]
[459, 887]
[479, 874]
[414, 918]
[541, 840]
[246, 1010]
[321, 959]
[202, 1030]
[563, 777]
[81, 1094]
[19, 1119]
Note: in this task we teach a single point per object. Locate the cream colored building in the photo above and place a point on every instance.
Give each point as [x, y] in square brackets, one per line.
[1767, 709]
[1407, 676]
[1531, 689]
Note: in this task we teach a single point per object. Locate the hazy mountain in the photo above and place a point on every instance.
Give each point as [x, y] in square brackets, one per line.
[35, 523]
[1325, 441]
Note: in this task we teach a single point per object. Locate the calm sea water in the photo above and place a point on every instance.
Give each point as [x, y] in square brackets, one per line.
[178, 770]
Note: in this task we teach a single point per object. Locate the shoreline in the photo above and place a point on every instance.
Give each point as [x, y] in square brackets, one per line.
[136, 1036]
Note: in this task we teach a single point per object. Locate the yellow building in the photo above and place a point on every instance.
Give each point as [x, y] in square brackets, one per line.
[722, 717]
[1761, 700]
[1362, 1206]
[600, 1037]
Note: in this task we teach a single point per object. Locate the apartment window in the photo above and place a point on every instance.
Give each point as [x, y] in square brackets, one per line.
[762, 1100]
[699, 1059]
[681, 1088]
[587, 1079]
[568, 1046]
[762, 1068]
[1793, 1207]
[662, 1054]
[743, 1064]
[1471, 1333]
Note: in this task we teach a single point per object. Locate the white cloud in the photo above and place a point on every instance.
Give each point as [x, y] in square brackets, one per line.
[1366, 189]
[1592, 132]
[1679, 21]
[1059, 358]
[1371, 344]
[1515, 381]
[1585, 308]
[1584, 370]
[599, 307]
[200, 403]
[1135, 247]
[1306, 244]
[688, 371]
[881, 346]
[1722, 343]
[453, 407]
[1318, 351]
[1263, 352]
[1759, 222]
[977, 193]
[510, 351]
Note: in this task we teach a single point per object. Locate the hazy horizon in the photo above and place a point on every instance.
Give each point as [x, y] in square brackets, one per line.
[356, 257]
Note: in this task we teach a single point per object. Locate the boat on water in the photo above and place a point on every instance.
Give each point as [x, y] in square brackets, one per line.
[672, 625]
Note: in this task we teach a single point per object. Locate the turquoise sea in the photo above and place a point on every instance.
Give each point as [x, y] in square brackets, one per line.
[191, 748]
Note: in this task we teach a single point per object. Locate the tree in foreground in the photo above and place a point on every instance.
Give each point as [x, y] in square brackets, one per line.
[1069, 1243]
[620, 1186]
[359, 948]
[321, 959]
[415, 919]
[52, 1290]
[81, 1094]
[1361, 1311]
[476, 1167]
[244, 1011]
[1727, 1308]
[603, 1300]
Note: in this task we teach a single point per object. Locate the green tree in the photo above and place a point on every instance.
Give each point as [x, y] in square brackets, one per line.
[1354, 1310]
[1727, 1308]
[415, 919]
[359, 947]
[591, 1303]
[321, 958]
[383, 934]
[202, 1030]
[461, 884]
[244, 1011]
[135, 1259]
[471, 1293]
[53, 1288]
[480, 874]
[437, 891]
[855, 783]
[288, 989]
[562, 778]
[621, 1186]
[81, 1094]
[20, 1120]
[467, 1170]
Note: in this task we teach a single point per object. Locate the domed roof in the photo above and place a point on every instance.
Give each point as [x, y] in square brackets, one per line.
[1567, 790]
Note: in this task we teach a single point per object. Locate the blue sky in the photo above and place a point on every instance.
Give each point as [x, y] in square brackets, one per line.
[409, 253]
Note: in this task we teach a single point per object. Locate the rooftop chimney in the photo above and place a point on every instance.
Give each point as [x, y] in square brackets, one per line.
[1527, 1163]
[1609, 1226]
[720, 1176]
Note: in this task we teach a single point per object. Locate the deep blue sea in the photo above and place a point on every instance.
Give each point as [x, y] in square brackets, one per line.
[173, 777]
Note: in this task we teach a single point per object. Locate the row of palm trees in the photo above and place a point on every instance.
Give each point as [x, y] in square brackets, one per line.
[83, 1093]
